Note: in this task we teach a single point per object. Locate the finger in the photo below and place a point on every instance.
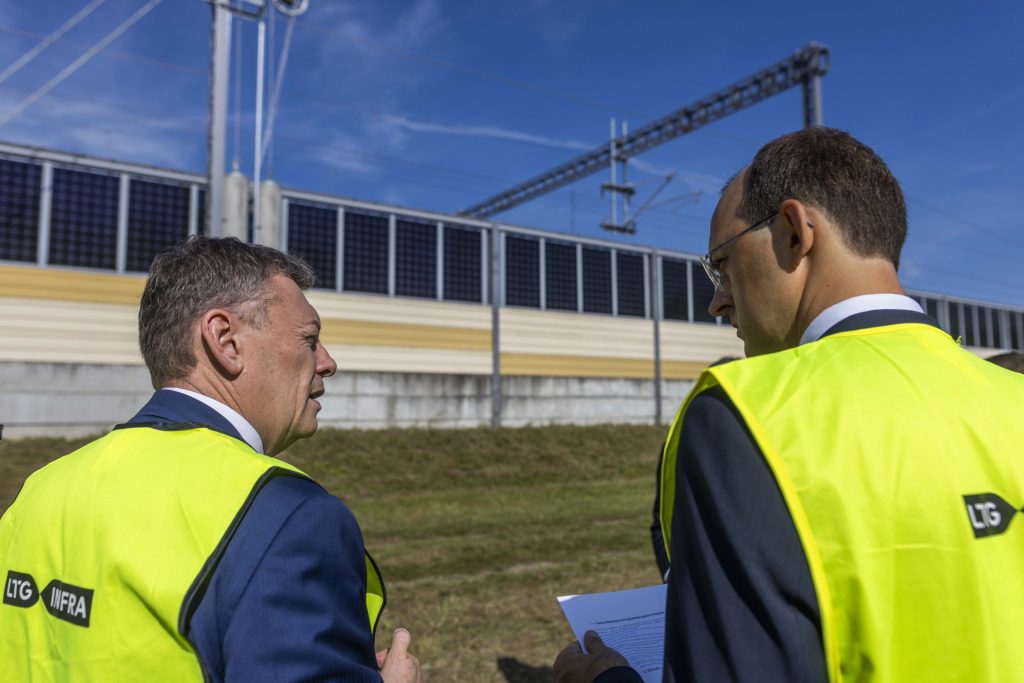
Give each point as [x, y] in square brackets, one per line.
[381, 658]
[593, 641]
[400, 640]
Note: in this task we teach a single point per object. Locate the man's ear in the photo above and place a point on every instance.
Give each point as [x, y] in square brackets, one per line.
[219, 330]
[794, 234]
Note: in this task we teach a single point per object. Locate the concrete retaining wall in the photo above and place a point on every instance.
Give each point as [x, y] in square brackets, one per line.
[59, 399]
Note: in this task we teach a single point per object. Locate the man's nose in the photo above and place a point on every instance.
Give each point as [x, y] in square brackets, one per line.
[326, 366]
[721, 303]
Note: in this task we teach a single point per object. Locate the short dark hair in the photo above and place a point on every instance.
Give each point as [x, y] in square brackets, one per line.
[199, 274]
[1014, 360]
[838, 175]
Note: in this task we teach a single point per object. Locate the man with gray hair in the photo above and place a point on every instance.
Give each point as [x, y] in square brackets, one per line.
[178, 547]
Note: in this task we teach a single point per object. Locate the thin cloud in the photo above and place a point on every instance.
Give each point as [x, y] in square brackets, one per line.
[343, 153]
[105, 129]
[490, 132]
[356, 39]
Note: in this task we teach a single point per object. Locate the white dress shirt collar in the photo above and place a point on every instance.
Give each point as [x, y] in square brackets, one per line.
[858, 304]
[245, 430]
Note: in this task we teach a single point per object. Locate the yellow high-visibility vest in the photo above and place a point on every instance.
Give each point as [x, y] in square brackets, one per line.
[900, 457]
[106, 553]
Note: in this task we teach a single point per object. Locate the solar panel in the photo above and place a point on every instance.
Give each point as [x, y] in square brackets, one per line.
[366, 253]
[560, 275]
[83, 219]
[313, 235]
[157, 218]
[522, 271]
[415, 259]
[19, 210]
[462, 269]
[597, 280]
[674, 290]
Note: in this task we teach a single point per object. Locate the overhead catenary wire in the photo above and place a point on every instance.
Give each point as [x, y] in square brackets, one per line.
[78, 63]
[135, 57]
[276, 96]
[50, 39]
[124, 55]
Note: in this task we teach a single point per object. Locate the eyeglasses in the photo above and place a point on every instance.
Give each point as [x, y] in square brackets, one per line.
[714, 274]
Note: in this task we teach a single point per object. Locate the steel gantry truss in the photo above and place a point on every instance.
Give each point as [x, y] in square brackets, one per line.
[804, 68]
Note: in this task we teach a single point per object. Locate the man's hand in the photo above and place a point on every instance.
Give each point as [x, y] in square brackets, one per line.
[572, 666]
[396, 664]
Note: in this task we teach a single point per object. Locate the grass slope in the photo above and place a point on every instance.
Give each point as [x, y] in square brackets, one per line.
[476, 531]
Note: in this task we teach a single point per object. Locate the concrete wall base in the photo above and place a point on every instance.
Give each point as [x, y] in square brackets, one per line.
[51, 399]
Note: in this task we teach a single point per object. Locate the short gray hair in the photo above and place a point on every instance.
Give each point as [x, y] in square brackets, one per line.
[197, 275]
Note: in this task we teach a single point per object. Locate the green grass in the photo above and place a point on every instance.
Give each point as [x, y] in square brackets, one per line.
[476, 531]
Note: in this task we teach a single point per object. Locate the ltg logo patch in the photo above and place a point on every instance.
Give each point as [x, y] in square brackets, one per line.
[62, 600]
[988, 514]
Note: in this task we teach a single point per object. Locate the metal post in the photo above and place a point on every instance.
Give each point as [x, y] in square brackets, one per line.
[625, 182]
[495, 328]
[45, 207]
[121, 248]
[283, 233]
[220, 44]
[339, 265]
[813, 115]
[689, 292]
[542, 273]
[579, 277]
[257, 165]
[655, 298]
[439, 272]
[485, 279]
[193, 209]
[614, 195]
[615, 282]
[392, 253]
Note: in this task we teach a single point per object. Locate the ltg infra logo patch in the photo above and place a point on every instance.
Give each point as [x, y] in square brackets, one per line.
[64, 601]
[988, 514]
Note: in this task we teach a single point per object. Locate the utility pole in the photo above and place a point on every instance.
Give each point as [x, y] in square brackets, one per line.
[813, 114]
[616, 188]
[220, 58]
[216, 140]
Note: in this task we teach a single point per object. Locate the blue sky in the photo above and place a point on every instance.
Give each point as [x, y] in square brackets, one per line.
[439, 105]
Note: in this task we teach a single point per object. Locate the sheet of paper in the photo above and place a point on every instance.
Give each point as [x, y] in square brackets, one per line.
[632, 622]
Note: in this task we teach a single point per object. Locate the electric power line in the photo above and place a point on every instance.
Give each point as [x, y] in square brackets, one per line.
[276, 95]
[964, 221]
[50, 39]
[113, 54]
[78, 63]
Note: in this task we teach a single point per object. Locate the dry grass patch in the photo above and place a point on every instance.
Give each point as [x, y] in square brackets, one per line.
[476, 531]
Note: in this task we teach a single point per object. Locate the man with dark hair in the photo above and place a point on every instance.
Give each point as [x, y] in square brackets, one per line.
[836, 505]
[177, 547]
[1012, 360]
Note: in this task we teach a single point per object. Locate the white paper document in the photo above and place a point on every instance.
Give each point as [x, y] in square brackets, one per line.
[631, 622]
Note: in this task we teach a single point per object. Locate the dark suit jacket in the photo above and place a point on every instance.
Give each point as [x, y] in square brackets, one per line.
[287, 601]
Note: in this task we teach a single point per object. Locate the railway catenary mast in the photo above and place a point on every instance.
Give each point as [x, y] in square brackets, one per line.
[804, 68]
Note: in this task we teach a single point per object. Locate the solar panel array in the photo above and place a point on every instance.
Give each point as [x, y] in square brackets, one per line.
[69, 213]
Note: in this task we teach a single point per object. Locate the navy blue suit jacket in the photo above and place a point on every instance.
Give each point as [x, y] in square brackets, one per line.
[287, 602]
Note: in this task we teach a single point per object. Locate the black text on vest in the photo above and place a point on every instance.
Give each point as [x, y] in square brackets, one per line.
[20, 590]
[988, 514]
[67, 602]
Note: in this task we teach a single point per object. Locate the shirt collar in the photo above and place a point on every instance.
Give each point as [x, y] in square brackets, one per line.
[858, 304]
[245, 430]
